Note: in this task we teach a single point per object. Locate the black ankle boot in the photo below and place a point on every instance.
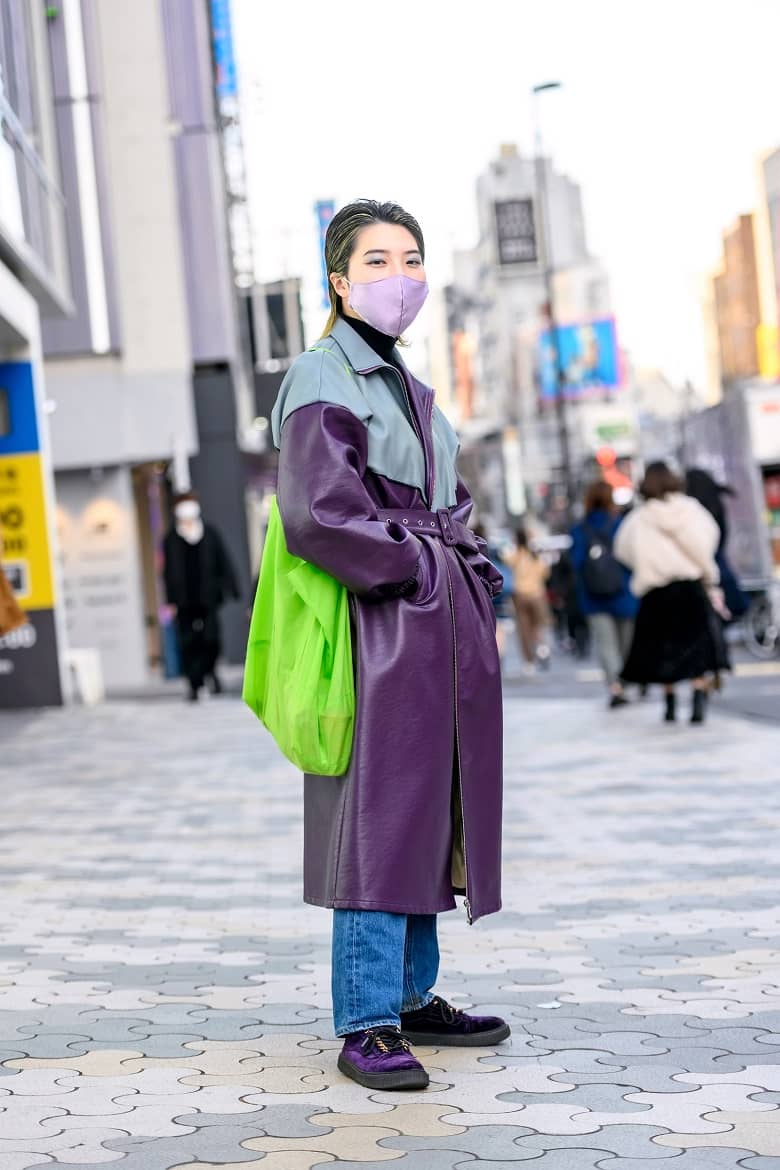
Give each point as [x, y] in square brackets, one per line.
[670, 713]
[699, 709]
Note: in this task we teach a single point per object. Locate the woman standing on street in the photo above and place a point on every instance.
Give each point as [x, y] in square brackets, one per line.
[529, 593]
[368, 491]
[669, 544]
[602, 587]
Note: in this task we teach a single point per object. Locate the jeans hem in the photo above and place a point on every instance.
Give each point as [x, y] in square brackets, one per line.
[366, 1024]
[417, 1004]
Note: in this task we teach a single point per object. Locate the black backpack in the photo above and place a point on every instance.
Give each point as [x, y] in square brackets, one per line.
[602, 573]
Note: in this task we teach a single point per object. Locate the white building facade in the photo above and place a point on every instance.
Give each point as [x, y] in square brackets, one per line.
[499, 300]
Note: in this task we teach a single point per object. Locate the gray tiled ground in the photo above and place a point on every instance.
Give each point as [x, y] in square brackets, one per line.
[164, 994]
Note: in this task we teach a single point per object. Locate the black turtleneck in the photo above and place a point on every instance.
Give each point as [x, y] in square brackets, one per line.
[384, 347]
[379, 342]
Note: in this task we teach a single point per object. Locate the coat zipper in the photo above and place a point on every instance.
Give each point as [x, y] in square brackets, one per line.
[429, 420]
[467, 903]
[430, 469]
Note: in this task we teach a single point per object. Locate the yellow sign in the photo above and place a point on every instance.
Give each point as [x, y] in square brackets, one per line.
[26, 558]
[768, 352]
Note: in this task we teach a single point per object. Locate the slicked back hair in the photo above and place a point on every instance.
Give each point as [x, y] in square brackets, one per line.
[342, 236]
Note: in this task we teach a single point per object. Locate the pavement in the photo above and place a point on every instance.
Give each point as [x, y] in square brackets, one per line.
[164, 995]
[751, 688]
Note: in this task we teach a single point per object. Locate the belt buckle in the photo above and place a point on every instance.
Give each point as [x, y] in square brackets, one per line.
[445, 523]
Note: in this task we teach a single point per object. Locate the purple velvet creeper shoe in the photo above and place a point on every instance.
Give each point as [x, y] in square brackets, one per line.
[380, 1058]
[439, 1024]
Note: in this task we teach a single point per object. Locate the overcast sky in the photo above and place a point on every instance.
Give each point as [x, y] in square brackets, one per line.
[665, 107]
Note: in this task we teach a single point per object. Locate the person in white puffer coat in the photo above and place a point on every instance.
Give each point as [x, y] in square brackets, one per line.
[669, 542]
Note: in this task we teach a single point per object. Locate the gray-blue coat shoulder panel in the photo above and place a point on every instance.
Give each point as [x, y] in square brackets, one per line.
[323, 374]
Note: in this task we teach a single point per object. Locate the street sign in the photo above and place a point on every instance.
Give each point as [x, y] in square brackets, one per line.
[516, 232]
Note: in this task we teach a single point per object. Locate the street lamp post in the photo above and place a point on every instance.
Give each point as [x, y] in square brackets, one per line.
[549, 286]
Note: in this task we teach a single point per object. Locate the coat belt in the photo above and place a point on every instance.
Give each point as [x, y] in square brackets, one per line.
[423, 523]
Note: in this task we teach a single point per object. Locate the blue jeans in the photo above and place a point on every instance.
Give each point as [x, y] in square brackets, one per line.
[382, 964]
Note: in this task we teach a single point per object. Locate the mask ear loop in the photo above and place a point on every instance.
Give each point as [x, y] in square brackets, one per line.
[349, 294]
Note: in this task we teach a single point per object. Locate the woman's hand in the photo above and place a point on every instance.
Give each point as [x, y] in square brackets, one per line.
[718, 603]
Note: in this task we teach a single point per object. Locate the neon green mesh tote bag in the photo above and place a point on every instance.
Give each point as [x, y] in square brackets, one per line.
[298, 676]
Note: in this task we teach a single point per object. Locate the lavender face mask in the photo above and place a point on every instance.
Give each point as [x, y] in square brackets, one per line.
[389, 304]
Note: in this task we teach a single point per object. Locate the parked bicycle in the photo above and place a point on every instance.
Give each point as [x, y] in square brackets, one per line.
[762, 622]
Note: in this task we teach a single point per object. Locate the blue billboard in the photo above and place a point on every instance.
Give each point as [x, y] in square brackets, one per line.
[588, 356]
[224, 59]
[324, 210]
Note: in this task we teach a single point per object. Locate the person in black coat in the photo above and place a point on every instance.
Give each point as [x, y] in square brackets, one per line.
[710, 494]
[199, 577]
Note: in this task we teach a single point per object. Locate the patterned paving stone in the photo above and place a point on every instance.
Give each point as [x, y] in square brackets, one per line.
[219, 1144]
[429, 1159]
[626, 1141]
[164, 997]
[549, 1160]
[716, 1158]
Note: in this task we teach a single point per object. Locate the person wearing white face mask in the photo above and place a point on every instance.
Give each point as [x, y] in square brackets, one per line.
[199, 577]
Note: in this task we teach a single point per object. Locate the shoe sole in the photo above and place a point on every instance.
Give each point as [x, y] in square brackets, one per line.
[403, 1080]
[473, 1040]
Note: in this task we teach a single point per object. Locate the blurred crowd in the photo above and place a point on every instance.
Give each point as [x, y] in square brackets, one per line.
[645, 585]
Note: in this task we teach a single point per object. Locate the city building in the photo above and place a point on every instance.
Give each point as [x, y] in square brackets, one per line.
[767, 229]
[736, 304]
[504, 353]
[33, 280]
[148, 375]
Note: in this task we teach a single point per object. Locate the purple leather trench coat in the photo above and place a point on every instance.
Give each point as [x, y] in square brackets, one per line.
[417, 817]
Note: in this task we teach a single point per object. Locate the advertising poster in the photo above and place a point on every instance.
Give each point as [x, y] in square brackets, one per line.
[588, 356]
[29, 672]
[324, 210]
[224, 57]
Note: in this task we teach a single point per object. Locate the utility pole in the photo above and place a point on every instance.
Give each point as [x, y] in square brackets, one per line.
[549, 287]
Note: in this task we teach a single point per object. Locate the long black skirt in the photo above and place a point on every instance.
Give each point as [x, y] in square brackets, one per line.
[677, 636]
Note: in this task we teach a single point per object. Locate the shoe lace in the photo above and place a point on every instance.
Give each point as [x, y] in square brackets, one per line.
[385, 1040]
[449, 1014]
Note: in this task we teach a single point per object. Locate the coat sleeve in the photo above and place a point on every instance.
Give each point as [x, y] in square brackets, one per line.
[328, 515]
[700, 540]
[169, 574]
[492, 577]
[623, 543]
[579, 548]
[227, 573]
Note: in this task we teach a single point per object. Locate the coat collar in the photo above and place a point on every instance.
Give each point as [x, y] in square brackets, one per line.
[358, 352]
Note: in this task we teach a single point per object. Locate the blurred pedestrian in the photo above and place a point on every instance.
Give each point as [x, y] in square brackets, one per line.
[701, 485]
[199, 578]
[603, 586]
[669, 543]
[529, 594]
[502, 600]
[12, 616]
[368, 491]
[570, 623]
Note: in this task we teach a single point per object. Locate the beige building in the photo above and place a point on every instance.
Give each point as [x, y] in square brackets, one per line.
[767, 231]
[736, 303]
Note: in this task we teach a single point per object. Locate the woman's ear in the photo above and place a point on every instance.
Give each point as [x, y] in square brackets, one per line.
[340, 284]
